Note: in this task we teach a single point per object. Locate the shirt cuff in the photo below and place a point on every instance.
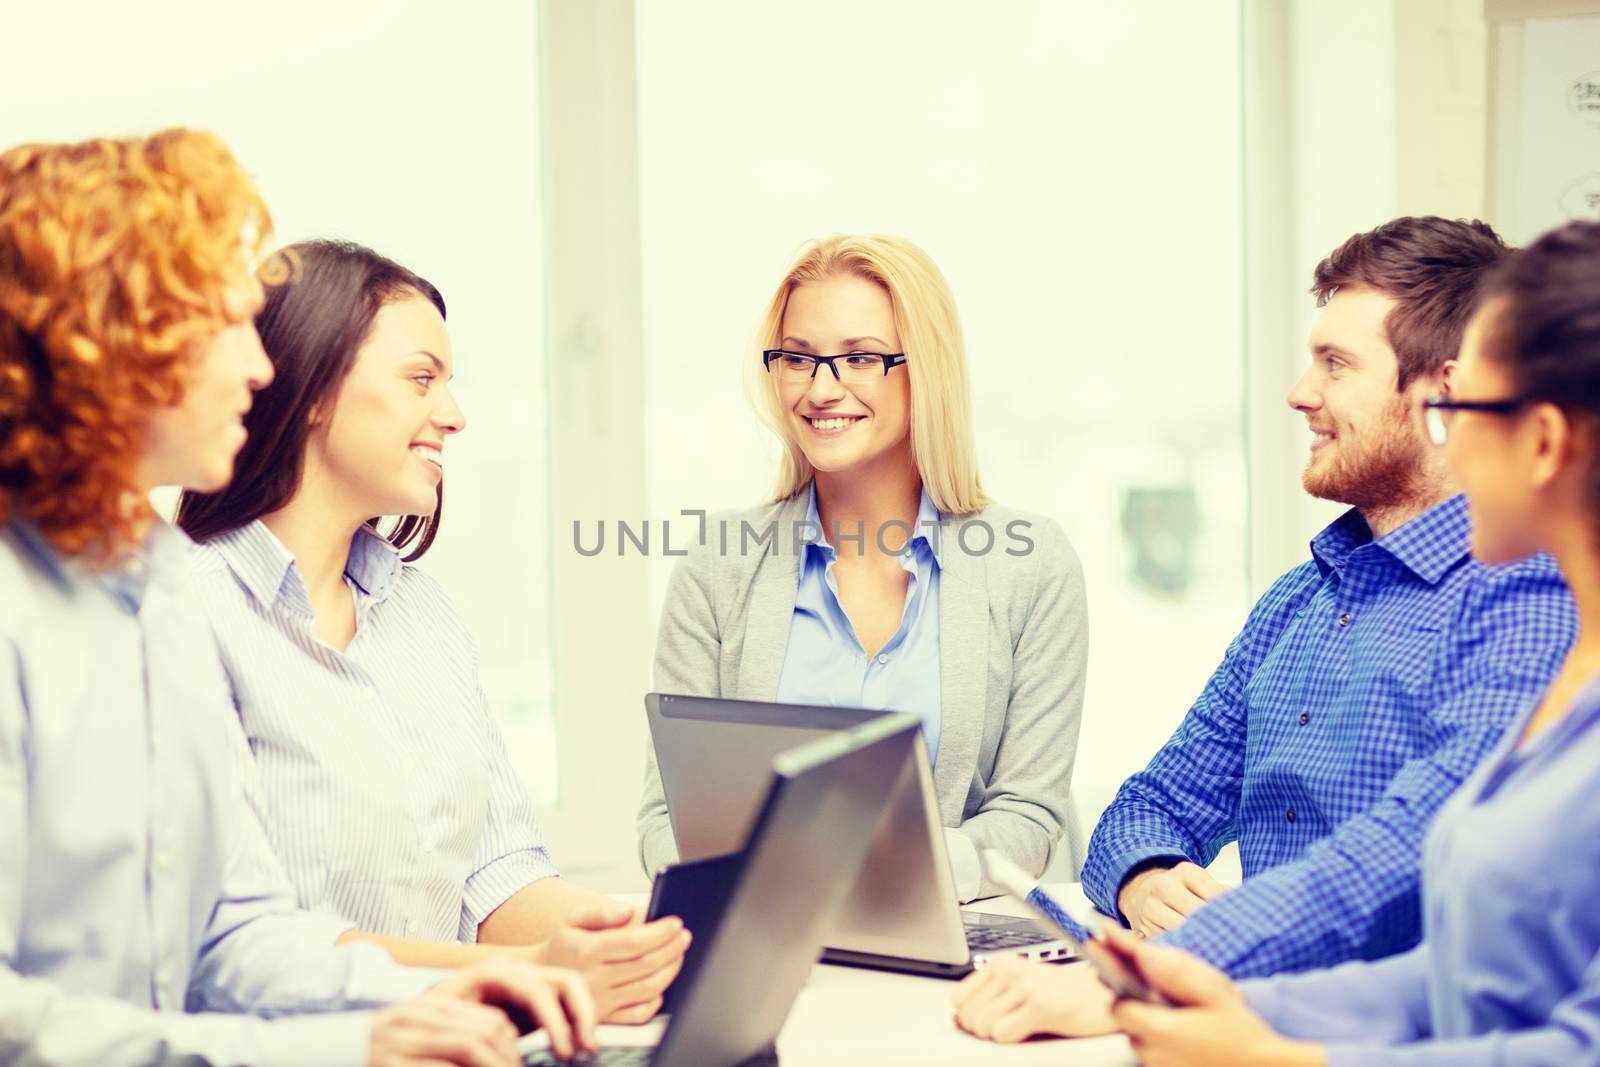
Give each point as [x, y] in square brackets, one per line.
[338, 1039]
[1123, 867]
[493, 885]
[964, 865]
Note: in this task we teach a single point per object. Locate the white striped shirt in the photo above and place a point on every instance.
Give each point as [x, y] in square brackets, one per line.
[380, 775]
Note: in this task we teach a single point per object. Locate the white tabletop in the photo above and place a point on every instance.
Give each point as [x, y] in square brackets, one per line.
[849, 1015]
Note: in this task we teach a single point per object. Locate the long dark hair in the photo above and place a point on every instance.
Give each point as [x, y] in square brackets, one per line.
[311, 327]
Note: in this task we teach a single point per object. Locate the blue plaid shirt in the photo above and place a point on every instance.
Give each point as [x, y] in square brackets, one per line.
[1365, 686]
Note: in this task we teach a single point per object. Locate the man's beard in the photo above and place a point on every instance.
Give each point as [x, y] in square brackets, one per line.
[1385, 468]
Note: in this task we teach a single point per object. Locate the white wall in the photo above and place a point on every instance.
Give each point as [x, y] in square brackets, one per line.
[1345, 179]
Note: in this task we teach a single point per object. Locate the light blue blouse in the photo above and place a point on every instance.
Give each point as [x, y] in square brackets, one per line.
[1508, 973]
[140, 905]
[825, 663]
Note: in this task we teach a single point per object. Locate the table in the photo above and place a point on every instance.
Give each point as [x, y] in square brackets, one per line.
[849, 1015]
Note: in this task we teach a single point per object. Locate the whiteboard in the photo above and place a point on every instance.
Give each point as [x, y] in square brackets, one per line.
[1547, 139]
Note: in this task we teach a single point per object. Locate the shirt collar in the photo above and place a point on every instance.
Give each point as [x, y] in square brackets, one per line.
[265, 565]
[925, 534]
[259, 560]
[1428, 545]
[374, 563]
[161, 558]
[42, 550]
[1433, 542]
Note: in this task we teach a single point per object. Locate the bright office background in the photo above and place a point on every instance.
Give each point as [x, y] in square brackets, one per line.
[1127, 200]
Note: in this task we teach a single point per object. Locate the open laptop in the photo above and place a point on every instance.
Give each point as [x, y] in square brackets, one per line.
[901, 914]
[811, 830]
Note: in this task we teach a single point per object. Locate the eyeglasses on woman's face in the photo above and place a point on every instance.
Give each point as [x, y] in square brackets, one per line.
[851, 368]
[1438, 413]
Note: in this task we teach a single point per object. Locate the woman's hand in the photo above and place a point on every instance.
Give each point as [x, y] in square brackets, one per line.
[628, 963]
[1208, 1025]
[465, 1020]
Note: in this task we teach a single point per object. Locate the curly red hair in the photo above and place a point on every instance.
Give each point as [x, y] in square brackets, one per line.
[114, 259]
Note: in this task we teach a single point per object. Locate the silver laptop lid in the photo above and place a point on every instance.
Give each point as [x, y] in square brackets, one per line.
[812, 828]
[714, 756]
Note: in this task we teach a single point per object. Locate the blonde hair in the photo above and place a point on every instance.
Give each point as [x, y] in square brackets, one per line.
[942, 444]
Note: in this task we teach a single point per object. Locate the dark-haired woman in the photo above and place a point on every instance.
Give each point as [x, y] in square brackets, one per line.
[1509, 971]
[379, 773]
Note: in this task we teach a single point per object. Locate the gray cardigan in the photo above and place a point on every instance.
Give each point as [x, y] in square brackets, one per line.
[1013, 641]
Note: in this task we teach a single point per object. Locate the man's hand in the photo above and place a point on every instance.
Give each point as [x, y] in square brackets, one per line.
[628, 963]
[1011, 999]
[1160, 899]
[1208, 1025]
[463, 1020]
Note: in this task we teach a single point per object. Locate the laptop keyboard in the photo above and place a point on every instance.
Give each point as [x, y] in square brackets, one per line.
[990, 939]
[614, 1056]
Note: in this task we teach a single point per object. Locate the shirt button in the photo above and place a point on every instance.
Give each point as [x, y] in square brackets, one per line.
[411, 926]
[163, 976]
[161, 862]
[883, 659]
[1304, 718]
[1344, 620]
[1290, 815]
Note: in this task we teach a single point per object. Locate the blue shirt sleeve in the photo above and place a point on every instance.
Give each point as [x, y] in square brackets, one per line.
[1354, 894]
[1569, 1038]
[1384, 1003]
[1185, 803]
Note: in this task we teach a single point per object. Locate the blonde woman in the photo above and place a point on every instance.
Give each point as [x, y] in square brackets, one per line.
[890, 579]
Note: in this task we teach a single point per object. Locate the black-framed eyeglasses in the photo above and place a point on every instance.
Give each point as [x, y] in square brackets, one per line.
[856, 368]
[1436, 412]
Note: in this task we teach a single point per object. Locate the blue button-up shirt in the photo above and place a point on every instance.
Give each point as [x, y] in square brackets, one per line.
[136, 886]
[380, 773]
[1364, 688]
[1508, 974]
[825, 662]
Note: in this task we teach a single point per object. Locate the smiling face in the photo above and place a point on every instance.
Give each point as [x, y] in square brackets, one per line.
[193, 443]
[383, 444]
[1367, 447]
[842, 427]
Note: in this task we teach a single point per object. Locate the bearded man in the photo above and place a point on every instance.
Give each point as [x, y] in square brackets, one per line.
[1365, 685]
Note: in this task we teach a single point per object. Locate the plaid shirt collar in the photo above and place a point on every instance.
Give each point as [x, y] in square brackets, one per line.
[1428, 545]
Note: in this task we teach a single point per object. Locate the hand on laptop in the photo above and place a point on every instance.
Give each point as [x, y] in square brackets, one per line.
[1160, 898]
[628, 963]
[1012, 999]
[466, 1019]
[1210, 1025]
